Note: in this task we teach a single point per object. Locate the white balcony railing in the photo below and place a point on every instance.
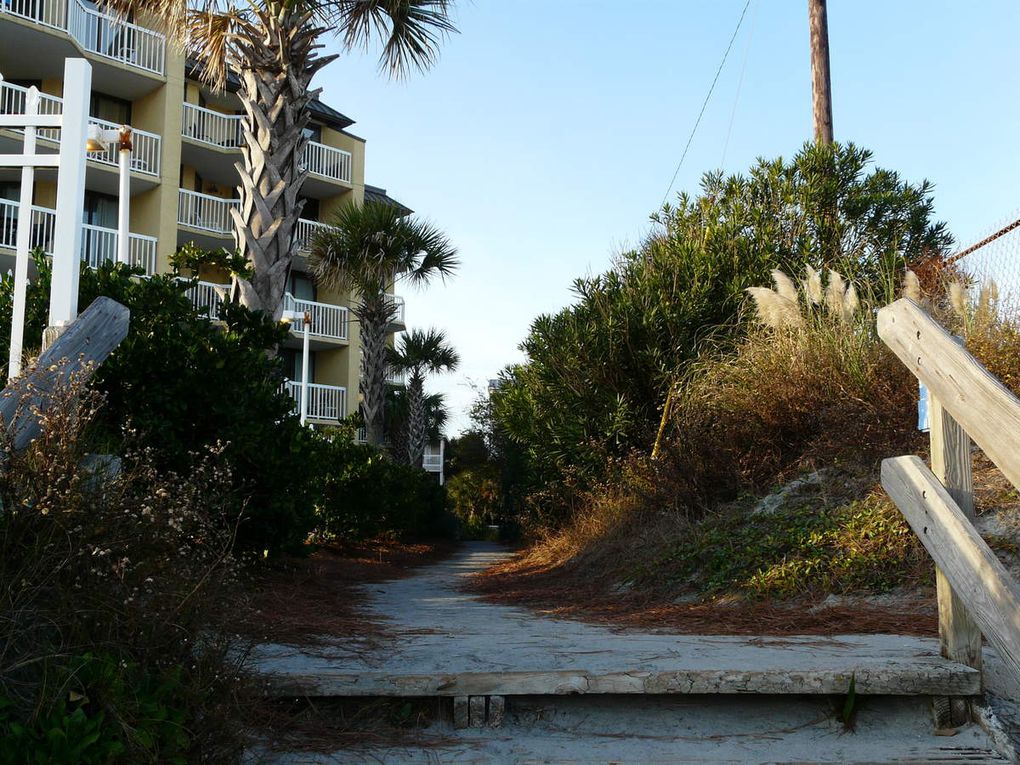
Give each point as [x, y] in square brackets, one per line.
[96, 32]
[325, 402]
[306, 231]
[432, 460]
[211, 127]
[224, 131]
[97, 243]
[327, 161]
[208, 296]
[395, 378]
[145, 153]
[398, 308]
[205, 212]
[327, 320]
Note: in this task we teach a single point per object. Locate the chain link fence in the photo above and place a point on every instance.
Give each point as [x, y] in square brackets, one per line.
[996, 258]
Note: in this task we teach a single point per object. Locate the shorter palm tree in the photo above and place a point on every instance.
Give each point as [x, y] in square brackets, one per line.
[366, 249]
[397, 418]
[419, 353]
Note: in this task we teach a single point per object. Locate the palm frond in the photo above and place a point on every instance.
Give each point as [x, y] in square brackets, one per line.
[410, 31]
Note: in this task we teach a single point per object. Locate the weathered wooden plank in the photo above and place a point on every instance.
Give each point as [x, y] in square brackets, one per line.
[497, 710]
[924, 678]
[85, 344]
[979, 402]
[460, 712]
[958, 633]
[476, 711]
[991, 595]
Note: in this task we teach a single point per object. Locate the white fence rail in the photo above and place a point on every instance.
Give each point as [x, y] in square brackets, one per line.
[205, 212]
[97, 243]
[211, 127]
[327, 161]
[96, 32]
[327, 320]
[325, 402]
[145, 153]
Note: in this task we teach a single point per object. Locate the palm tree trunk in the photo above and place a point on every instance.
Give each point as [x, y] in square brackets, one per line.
[374, 317]
[416, 424]
[276, 70]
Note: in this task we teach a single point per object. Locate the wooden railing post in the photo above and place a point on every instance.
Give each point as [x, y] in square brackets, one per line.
[959, 635]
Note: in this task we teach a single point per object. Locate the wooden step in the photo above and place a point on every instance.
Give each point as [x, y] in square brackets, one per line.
[733, 667]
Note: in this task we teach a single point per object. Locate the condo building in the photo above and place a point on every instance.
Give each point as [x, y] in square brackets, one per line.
[183, 183]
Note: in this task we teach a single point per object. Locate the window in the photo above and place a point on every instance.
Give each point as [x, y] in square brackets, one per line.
[292, 364]
[100, 210]
[311, 210]
[301, 287]
[110, 108]
[313, 133]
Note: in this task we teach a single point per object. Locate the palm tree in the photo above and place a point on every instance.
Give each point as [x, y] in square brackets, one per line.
[367, 249]
[271, 46]
[420, 353]
[397, 418]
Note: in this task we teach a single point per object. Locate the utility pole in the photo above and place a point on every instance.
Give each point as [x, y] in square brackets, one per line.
[821, 85]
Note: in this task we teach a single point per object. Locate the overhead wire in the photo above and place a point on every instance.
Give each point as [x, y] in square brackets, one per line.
[740, 84]
[704, 105]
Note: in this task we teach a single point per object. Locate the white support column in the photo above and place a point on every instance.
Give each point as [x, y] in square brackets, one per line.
[23, 243]
[70, 194]
[304, 368]
[124, 207]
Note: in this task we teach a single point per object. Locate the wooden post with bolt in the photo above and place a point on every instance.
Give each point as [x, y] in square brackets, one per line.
[821, 82]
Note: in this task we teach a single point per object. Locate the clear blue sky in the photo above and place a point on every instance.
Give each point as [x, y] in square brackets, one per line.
[550, 129]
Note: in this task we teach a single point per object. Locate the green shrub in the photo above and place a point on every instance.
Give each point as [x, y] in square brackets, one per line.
[365, 494]
[183, 384]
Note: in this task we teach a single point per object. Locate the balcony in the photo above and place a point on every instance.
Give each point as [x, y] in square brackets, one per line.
[100, 34]
[396, 379]
[206, 213]
[212, 137]
[432, 460]
[397, 321]
[328, 321]
[305, 234]
[327, 404]
[145, 154]
[97, 243]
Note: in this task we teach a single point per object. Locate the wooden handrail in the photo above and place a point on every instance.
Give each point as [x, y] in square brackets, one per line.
[983, 406]
[977, 576]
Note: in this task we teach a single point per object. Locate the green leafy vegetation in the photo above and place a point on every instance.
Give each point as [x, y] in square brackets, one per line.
[599, 371]
[859, 547]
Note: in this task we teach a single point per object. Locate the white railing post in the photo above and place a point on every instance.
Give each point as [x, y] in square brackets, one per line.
[70, 194]
[23, 243]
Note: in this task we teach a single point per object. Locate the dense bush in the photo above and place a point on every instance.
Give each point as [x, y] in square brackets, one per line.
[183, 384]
[598, 372]
[109, 582]
[365, 494]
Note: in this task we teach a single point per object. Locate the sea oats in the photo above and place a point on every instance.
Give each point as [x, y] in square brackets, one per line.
[834, 293]
[911, 286]
[813, 286]
[785, 286]
[774, 310]
[958, 298]
[851, 303]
